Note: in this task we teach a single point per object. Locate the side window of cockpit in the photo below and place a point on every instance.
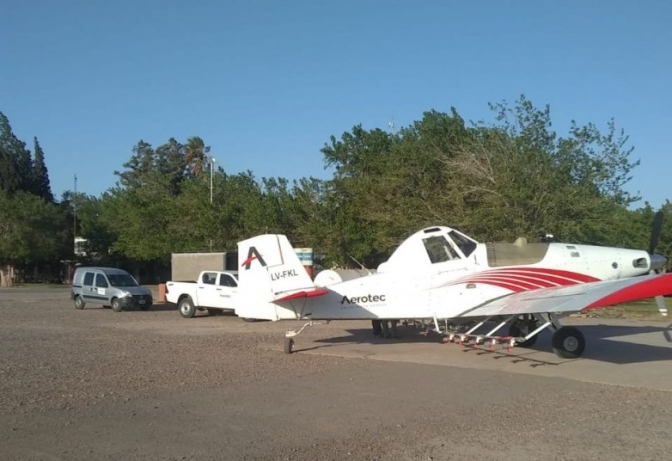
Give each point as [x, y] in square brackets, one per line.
[439, 250]
[466, 246]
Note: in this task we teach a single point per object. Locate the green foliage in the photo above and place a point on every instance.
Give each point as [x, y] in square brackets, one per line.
[495, 181]
[40, 176]
[31, 230]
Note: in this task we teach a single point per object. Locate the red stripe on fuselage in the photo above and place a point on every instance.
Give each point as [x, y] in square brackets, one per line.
[522, 283]
[506, 286]
[540, 271]
[525, 278]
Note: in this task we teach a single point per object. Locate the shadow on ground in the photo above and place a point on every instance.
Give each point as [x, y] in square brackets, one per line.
[605, 343]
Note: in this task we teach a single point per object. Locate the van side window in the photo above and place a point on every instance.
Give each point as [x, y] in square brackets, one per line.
[88, 279]
[100, 281]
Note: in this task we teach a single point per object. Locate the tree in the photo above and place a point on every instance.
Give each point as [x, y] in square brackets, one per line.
[30, 231]
[40, 175]
[15, 160]
[196, 156]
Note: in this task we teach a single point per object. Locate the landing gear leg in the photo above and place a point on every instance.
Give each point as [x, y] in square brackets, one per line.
[289, 341]
[523, 327]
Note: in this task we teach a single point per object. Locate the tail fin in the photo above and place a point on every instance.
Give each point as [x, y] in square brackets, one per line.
[270, 272]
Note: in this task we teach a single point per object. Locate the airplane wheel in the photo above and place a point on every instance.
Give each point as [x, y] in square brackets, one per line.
[289, 345]
[568, 343]
[522, 328]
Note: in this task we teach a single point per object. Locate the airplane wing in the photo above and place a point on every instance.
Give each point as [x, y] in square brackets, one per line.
[576, 298]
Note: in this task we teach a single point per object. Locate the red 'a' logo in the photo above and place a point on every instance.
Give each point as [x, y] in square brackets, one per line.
[251, 256]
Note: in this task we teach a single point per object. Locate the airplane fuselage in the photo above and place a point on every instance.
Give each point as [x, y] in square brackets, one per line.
[446, 289]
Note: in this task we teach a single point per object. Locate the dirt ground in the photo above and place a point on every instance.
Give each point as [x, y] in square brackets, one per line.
[94, 384]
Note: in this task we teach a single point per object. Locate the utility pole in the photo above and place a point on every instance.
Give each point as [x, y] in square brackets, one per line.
[74, 206]
[212, 165]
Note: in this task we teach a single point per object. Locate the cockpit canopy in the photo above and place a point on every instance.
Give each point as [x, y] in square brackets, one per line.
[430, 246]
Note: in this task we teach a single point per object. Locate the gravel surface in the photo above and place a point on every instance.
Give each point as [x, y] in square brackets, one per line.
[95, 384]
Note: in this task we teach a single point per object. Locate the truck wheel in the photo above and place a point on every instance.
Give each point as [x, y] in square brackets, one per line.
[187, 309]
[116, 305]
[79, 302]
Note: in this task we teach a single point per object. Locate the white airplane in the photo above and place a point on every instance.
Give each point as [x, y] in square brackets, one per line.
[440, 274]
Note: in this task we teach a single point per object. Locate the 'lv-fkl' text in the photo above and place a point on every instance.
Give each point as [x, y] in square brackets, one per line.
[284, 274]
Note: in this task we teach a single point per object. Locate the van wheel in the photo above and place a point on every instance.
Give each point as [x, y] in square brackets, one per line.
[116, 305]
[186, 307]
[79, 302]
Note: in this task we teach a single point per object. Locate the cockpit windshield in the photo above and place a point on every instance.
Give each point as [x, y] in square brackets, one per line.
[439, 249]
[465, 245]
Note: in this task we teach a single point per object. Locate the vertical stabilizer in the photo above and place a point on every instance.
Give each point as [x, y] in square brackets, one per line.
[270, 272]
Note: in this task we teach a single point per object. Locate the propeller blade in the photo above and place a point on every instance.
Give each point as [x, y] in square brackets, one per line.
[655, 231]
[662, 308]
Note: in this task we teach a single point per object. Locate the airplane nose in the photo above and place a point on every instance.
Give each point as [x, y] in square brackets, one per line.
[657, 261]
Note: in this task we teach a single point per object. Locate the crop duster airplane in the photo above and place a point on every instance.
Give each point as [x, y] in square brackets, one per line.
[440, 274]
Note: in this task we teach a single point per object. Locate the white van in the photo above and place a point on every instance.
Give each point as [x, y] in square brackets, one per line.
[107, 286]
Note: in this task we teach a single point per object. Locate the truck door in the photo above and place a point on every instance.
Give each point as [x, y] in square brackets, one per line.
[227, 290]
[208, 296]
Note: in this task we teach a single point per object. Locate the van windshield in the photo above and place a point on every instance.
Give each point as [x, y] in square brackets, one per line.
[122, 281]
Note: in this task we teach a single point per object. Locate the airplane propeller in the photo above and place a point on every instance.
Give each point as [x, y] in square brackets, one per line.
[657, 261]
[655, 231]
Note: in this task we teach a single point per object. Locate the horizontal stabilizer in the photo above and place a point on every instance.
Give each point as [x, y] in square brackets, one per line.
[303, 294]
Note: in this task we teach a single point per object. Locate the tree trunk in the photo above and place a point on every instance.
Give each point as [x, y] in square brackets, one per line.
[6, 275]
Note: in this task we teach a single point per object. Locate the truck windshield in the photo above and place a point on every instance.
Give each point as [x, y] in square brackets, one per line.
[122, 281]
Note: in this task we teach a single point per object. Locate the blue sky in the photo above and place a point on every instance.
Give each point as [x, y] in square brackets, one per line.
[265, 83]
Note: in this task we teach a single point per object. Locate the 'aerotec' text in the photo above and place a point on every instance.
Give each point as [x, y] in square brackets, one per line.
[363, 299]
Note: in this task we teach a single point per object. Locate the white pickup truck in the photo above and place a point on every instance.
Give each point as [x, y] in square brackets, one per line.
[214, 291]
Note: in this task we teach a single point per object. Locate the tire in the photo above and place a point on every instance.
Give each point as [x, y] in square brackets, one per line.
[289, 345]
[116, 305]
[522, 329]
[79, 302]
[377, 327]
[186, 307]
[568, 343]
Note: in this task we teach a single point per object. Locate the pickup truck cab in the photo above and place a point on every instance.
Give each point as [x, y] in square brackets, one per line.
[214, 291]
